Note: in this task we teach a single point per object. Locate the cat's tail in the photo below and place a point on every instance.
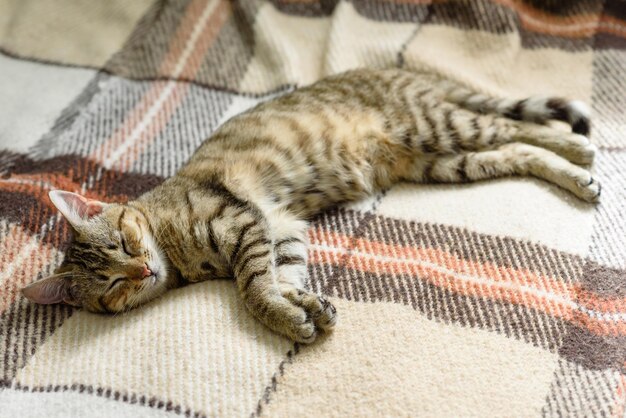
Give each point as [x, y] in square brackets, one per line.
[536, 109]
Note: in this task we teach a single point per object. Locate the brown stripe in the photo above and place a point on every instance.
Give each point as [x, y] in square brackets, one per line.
[242, 233]
[16, 348]
[283, 260]
[452, 132]
[461, 171]
[242, 266]
[593, 351]
[249, 278]
[284, 241]
[271, 388]
[251, 244]
[433, 143]
[108, 393]
[437, 303]
[603, 280]
[460, 242]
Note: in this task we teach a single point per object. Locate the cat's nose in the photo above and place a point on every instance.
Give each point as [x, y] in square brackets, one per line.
[146, 272]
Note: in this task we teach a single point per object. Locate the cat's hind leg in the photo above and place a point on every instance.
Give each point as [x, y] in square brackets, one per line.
[576, 148]
[507, 160]
[491, 132]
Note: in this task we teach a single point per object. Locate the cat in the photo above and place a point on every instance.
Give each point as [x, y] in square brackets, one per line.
[239, 207]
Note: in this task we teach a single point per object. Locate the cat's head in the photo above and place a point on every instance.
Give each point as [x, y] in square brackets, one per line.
[113, 263]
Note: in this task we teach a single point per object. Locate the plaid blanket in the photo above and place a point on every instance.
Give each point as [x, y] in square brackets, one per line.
[504, 298]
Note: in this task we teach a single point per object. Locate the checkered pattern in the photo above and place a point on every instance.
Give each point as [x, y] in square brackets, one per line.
[504, 298]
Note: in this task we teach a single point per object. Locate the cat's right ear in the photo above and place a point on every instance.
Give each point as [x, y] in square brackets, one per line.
[75, 208]
[53, 289]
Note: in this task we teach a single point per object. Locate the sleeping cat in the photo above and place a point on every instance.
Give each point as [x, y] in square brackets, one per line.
[239, 207]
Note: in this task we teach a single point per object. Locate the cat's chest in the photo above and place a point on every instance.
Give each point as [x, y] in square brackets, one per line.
[191, 254]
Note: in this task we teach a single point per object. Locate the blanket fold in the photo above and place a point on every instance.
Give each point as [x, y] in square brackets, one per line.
[504, 298]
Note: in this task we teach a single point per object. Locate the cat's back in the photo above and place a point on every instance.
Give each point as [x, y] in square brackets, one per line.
[327, 135]
[333, 112]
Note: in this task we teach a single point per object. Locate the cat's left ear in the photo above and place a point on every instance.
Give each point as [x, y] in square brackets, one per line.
[53, 289]
[76, 208]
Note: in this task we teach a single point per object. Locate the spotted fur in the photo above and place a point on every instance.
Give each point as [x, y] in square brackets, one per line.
[239, 207]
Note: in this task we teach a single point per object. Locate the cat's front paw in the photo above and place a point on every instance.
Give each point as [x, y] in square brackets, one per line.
[319, 310]
[299, 315]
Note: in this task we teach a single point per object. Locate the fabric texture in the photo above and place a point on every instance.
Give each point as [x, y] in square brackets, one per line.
[504, 298]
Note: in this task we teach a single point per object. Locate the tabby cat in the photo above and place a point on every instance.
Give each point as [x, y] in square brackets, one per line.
[239, 207]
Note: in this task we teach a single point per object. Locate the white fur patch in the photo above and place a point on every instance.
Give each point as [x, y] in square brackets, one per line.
[536, 108]
[579, 109]
[58, 199]
[158, 263]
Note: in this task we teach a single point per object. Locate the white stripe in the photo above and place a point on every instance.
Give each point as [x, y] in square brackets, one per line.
[483, 281]
[24, 253]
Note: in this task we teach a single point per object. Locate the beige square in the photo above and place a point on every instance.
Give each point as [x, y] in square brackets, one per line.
[498, 63]
[197, 347]
[523, 208]
[356, 41]
[80, 32]
[299, 50]
[288, 50]
[388, 360]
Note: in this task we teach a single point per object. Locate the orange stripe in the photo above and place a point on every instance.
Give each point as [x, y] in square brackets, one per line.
[191, 67]
[181, 37]
[10, 245]
[539, 21]
[450, 261]
[156, 125]
[24, 271]
[221, 13]
[130, 121]
[613, 25]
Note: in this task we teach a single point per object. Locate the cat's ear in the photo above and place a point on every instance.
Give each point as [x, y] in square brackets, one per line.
[53, 289]
[74, 207]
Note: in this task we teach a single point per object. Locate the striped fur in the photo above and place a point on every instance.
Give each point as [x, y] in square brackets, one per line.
[239, 206]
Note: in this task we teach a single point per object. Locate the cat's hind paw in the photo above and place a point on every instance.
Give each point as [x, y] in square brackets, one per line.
[590, 192]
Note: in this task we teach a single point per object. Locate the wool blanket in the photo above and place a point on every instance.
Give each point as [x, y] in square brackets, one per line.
[503, 298]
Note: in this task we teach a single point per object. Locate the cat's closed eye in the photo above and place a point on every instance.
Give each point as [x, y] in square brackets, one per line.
[126, 248]
[116, 282]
